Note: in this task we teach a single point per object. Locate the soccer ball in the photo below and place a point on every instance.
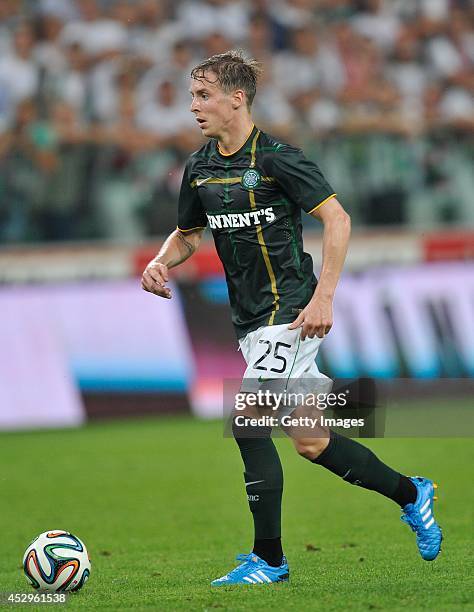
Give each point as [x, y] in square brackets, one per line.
[57, 561]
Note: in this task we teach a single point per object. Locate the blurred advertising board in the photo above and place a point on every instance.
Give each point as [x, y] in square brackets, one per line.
[78, 336]
[90, 337]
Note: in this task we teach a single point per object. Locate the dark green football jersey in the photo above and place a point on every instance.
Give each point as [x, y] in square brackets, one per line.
[252, 201]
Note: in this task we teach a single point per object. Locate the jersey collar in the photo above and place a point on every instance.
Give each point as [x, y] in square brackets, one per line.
[230, 155]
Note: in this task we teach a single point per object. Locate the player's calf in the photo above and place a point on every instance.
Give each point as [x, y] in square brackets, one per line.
[358, 465]
[263, 478]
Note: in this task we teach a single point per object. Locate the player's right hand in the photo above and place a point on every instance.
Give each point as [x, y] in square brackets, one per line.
[154, 279]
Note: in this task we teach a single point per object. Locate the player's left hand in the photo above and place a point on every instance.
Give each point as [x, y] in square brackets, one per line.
[315, 319]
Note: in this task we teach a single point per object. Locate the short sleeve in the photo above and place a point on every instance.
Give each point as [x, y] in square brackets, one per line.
[191, 214]
[300, 179]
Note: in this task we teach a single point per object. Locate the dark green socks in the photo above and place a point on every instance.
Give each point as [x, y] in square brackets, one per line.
[358, 465]
[264, 485]
[263, 475]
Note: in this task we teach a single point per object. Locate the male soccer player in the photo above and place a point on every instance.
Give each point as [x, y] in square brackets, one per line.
[250, 189]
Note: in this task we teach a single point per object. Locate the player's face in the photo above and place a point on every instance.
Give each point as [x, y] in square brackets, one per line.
[212, 107]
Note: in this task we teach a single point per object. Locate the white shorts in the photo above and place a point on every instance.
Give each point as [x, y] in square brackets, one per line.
[277, 354]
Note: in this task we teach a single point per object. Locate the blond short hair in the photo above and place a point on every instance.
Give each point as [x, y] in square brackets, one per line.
[233, 71]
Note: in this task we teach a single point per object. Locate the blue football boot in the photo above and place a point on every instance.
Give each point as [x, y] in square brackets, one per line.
[254, 570]
[421, 519]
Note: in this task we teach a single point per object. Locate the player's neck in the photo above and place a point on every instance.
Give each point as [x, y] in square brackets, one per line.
[235, 136]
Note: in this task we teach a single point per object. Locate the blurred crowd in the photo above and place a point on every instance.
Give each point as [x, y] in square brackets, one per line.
[95, 121]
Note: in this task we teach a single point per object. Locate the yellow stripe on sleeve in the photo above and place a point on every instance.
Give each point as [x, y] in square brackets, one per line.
[321, 203]
[191, 229]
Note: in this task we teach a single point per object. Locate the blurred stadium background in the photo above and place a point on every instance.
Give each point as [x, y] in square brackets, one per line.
[94, 132]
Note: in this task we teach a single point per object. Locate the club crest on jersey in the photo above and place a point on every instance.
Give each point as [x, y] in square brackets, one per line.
[251, 179]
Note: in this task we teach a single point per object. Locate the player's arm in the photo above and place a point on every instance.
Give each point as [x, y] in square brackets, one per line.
[316, 318]
[177, 248]
[303, 183]
[182, 243]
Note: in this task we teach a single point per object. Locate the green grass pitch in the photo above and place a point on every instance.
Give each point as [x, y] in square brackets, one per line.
[160, 504]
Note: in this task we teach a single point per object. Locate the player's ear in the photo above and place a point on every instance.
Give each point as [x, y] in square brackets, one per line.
[238, 98]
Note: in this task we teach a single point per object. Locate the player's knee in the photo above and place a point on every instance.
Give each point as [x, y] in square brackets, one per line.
[246, 434]
[311, 448]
